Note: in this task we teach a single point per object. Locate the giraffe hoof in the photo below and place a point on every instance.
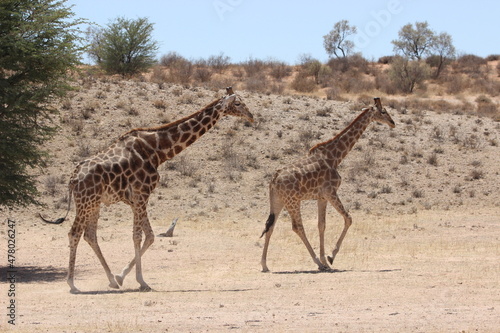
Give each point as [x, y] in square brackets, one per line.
[145, 288]
[265, 270]
[330, 260]
[114, 285]
[74, 291]
[119, 280]
[324, 268]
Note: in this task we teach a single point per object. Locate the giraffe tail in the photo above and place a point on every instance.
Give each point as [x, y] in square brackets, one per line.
[57, 221]
[269, 223]
[61, 219]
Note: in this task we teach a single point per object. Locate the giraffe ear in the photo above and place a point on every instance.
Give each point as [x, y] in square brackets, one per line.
[228, 100]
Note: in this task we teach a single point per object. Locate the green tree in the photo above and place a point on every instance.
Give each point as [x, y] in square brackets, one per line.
[39, 45]
[124, 47]
[336, 42]
[414, 42]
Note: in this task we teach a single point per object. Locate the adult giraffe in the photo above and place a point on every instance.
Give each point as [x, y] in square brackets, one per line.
[127, 172]
[315, 177]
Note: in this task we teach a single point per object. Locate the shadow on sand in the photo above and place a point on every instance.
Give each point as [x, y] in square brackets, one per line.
[32, 274]
[331, 271]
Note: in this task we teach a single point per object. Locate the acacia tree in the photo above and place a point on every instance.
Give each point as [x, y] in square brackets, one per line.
[443, 50]
[414, 42]
[336, 42]
[39, 45]
[124, 47]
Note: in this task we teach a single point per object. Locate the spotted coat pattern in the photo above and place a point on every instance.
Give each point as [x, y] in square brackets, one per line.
[128, 172]
[315, 177]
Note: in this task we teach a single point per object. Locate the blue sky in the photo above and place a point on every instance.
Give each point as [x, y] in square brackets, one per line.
[284, 30]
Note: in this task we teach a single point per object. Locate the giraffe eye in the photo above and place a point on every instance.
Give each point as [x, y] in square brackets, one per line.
[237, 103]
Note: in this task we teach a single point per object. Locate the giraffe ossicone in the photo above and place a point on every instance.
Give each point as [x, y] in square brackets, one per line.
[127, 172]
[315, 177]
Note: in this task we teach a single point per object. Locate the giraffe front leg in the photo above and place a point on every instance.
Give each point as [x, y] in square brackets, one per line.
[321, 227]
[335, 202]
[298, 228]
[137, 237]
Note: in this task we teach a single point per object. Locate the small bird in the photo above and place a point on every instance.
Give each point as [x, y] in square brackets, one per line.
[170, 231]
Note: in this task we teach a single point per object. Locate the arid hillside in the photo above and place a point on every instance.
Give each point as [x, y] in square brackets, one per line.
[428, 161]
[422, 254]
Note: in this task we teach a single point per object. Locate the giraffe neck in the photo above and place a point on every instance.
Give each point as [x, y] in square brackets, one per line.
[164, 142]
[336, 149]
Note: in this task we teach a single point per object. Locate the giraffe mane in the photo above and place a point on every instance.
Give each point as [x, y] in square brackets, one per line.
[169, 125]
[365, 110]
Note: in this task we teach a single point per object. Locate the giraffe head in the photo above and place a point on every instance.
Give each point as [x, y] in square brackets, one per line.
[232, 105]
[380, 114]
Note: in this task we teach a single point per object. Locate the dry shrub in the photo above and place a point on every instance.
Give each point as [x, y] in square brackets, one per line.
[385, 60]
[159, 75]
[406, 75]
[179, 68]
[180, 72]
[486, 107]
[253, 67]
[279, 70]
[66, 104]
[353, 84]
[160, 104]
[456, 83]
[277, 88]
[395, 104]
[493, 57]
[51, 185]
[441, 105]
[338, 64]
[219, 63]
[469, 64]
[170, 58]
[385, 84]
[303, 83]
[216, 83]
[257, 83]
[187, 98]
[486, 86]
[333, 93]
[202, 74]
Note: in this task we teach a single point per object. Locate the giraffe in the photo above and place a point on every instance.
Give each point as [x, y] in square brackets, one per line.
[315, 177]
[128, 171]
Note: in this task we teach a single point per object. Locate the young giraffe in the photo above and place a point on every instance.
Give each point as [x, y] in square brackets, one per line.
[315, 177]
[127, 172]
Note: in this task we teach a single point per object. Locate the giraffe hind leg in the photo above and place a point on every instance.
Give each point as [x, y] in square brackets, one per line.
[74, 236]
[298, 228]
[276, 205]
[268, 231]
[91, 237]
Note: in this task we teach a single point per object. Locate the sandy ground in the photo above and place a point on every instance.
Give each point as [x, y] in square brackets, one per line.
[423, 254]
[428, 272]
